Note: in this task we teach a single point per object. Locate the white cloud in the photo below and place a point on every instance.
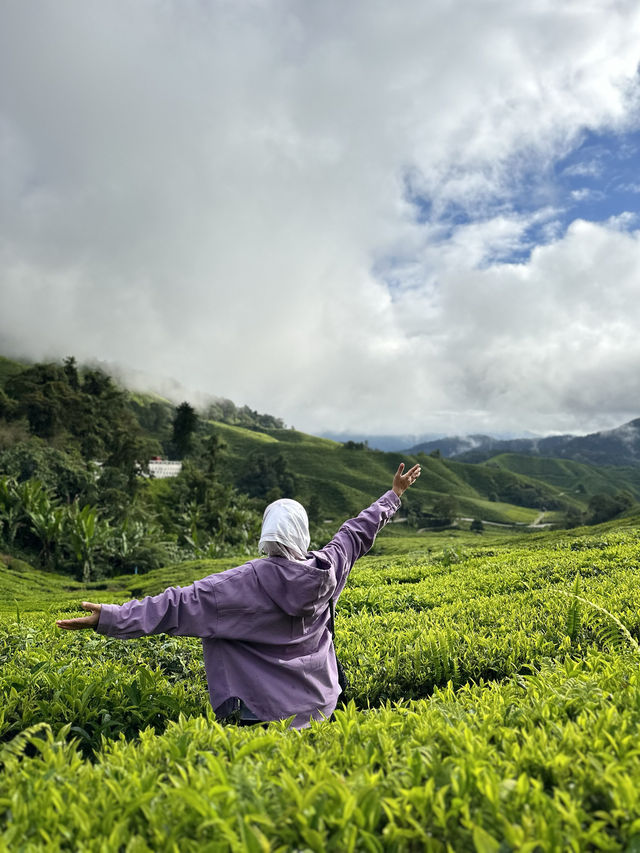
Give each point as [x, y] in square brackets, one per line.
[624, 221]
[206, 191]
[553, 337]
[592, 169]
[586, 194]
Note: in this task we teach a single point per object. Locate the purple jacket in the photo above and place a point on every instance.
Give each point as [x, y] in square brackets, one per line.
[264, 625]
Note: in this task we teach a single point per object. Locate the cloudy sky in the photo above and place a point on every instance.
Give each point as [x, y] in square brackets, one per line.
[392, 217]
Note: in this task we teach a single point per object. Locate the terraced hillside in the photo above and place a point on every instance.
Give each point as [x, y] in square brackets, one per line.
[345, 480]
[572, 478]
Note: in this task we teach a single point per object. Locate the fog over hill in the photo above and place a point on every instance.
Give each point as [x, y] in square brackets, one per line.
[454, 445]
[619, 446]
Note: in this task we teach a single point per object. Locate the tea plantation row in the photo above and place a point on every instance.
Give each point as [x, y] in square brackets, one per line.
[490, 710]
[539, 763]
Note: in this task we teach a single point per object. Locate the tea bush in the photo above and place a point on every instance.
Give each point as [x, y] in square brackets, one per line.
[487, 711]
[537, 763]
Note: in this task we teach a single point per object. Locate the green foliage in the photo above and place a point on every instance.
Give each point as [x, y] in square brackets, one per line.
[73, 537]
[498, 484]
[547, 761]
[155, 416]
[86, 413]
[445, 509]
[603, 507]
[86, 418]
[87, 451]
[185, 423]
[7, 407]
[206, 515]
[227, 412]
[9, 368]
[572, 626]
[268, 477]
[610, 631]
[573, 518]
[64, 473]
[77, 679]
[86, 535]
[495, 705]
[576, 480]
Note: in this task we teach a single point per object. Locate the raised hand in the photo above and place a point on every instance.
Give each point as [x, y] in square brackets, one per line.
[401, 481]
[82, 621]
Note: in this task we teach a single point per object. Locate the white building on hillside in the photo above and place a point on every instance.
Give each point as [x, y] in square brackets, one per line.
[161, 468]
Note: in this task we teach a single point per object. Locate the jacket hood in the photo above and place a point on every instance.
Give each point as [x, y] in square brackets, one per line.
[285, 522]
[298, 588]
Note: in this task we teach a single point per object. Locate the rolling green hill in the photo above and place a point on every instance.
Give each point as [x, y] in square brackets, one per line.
[345, 480]
[573, 479]
[24, 589]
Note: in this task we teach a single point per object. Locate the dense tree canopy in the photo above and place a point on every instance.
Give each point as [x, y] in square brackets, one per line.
[90, 414]
[268, 477]
[73, 447]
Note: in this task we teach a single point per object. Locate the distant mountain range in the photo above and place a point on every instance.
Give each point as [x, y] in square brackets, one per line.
[401, 442]
[619, 446]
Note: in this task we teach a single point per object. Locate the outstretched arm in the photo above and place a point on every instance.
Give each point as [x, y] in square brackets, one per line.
[182, 611]
[357, 535]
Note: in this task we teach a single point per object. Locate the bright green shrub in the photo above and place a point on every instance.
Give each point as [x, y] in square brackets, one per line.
[547, 762]
[515, 724]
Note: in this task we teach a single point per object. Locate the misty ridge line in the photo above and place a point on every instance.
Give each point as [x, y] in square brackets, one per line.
[619, 446]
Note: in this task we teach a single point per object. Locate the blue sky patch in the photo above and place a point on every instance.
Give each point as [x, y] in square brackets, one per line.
[599, 179]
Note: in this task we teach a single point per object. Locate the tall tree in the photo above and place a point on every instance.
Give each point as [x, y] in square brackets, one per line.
[184, 425]
[214, 447]
[71, 372]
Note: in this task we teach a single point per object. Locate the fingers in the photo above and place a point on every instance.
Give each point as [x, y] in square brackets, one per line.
[75, 624]
[412, 475]
[402, 481]
[82, 621]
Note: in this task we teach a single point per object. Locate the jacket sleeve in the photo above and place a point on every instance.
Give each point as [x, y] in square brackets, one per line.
[189, 611]
[357, 535]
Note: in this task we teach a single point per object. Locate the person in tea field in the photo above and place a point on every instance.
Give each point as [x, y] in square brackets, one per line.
[266, 626]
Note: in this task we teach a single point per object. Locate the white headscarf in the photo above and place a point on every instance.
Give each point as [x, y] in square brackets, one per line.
[285, 530]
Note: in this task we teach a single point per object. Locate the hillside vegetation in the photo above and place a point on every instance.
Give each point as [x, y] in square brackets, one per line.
[75, 449]
[572, 478]
[345, 480]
